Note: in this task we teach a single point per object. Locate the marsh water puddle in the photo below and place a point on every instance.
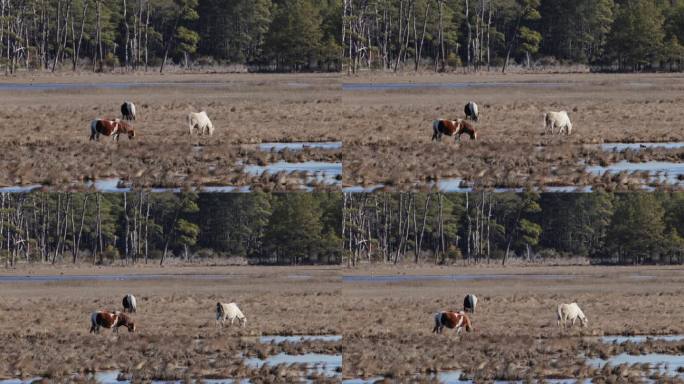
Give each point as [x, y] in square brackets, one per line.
[402, 278]
[454, 377]
[112, 377]
[20, 188]
[621, 147]
[639, 338]
[120, 277]
[324, 364]
[671, 365]
[299, 146]
[299, 338]
[445, 85]
[103, 85]
[669, 172]
[458, 185]
[128, 277]
[320, 171]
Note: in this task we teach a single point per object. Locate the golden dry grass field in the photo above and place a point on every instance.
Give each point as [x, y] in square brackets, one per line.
[388, 324]
[44, 325]
[388, 128]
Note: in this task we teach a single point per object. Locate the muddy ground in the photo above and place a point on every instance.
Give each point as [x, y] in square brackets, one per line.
[46, 132]
[44, 325]
[387, 331]
[394, 127]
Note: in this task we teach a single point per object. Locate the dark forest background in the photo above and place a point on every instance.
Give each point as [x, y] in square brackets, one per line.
[608, 35]
[334, 35]
[603, 228]
[265, 35]
[104, 228]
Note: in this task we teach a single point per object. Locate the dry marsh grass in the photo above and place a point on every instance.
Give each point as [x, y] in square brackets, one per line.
[48, 130]
[388, 327]
[45, 325]
[394, 127]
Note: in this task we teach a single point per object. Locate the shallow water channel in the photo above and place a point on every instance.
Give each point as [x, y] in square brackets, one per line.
[404, 278]
[672, 173]
[445, 85]
[127, 277]
[621, 147]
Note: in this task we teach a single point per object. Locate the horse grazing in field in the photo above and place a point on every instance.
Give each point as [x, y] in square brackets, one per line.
[230, 311]
[130, 304]
[200, 121]
[110, 320]
[570, 312]
[471, 111]
[469, 303]
[560, 120]
[110, 128]
[451, 320]
[128, 111]
[452, 128]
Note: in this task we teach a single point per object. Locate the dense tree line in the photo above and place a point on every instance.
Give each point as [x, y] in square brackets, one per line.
[618, 35]
[144, 227]
[277, 35]
[631, 228]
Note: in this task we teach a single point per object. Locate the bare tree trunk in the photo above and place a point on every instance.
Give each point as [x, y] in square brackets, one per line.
[147, 25]
[489, 26]
[99, 227]
[147, 219]
[470, 38]
[127, 230]
[77, 246]
[419, 55]
[99, 36]
[126, 36]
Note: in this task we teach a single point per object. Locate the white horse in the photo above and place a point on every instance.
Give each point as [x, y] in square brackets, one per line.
[570, 312]
[560, 120]
[201, 122]
[230, 311]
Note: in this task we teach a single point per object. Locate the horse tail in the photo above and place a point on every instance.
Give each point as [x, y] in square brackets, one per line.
[93, 129]
[219, 310]
[435, 129]
[438, 322]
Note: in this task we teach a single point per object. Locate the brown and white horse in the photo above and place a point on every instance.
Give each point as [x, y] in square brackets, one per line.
[109, 127]
[110, 320]
[452, 128]
[451, 320]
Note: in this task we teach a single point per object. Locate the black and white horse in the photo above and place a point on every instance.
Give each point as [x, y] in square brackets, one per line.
[471, 111]
[128, 111]
[130, 304]
[469, 303]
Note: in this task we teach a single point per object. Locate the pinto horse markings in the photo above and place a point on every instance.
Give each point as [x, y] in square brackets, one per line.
[109, 320]
[451, 320]
[452, 128]
[109, 127]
